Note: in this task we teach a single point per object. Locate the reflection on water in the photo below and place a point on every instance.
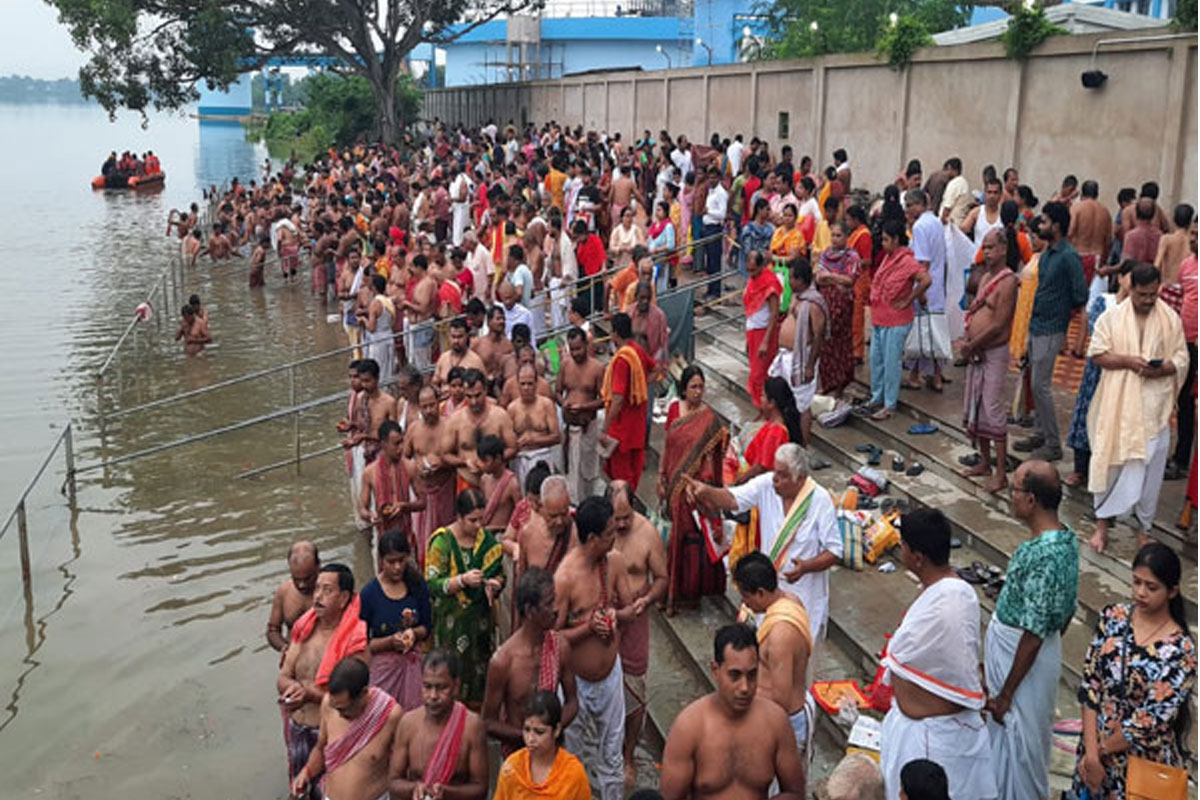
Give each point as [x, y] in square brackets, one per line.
[136, 662]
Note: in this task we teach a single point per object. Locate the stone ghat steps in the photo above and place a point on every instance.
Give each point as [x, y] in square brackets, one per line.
[983, 517]
[989, 535]
[864, 608]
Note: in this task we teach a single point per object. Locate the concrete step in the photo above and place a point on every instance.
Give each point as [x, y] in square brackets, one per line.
[858, 603]
[864, 606]
[1104, 579]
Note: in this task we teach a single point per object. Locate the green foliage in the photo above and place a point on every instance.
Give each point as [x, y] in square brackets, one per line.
[850, 26]
[339, 110]
[1027, 28]
[901, 41]
[1185, 15]
[153, 53]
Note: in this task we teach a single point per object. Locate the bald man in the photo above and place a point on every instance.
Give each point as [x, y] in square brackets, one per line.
[1023, 647]
[295, 595]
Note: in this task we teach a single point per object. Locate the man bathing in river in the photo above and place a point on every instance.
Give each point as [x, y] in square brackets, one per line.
[295, 595]
[440, 750]
[732, 744]
[534, 658]
[358, 725]
[321, 637]
[193, 330]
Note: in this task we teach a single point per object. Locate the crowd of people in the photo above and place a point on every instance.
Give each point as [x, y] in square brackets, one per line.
[512, 296]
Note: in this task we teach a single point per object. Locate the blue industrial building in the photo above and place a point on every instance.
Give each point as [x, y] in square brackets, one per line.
[644, 34]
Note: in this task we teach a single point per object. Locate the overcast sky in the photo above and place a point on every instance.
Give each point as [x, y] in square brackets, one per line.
[33, 42]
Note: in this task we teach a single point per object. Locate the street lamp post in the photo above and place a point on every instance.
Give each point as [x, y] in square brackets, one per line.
[700, 43]
[658, 48]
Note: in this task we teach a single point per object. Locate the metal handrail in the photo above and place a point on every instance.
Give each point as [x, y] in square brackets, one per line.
[18, 509]
[581, 285]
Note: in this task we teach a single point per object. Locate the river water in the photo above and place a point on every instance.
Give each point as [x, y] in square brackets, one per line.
[134, 664]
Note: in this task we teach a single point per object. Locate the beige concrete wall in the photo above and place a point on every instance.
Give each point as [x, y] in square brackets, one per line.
[967, 101]
[651, 105]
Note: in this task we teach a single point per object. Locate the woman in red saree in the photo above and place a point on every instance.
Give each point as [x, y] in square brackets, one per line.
[835, 278]
[695, 446]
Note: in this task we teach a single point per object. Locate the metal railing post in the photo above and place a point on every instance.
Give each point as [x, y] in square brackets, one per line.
[69, 450]
[296, 416]
[23, 538]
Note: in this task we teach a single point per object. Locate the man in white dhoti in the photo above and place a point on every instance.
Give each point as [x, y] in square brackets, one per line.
[460, 204]
[578, 390]
[798, 524]
[381, 314]
[932, 664]
[1023, 648]
[1141, 351]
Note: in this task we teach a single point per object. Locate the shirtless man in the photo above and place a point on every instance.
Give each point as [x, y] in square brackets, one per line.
[646, 563]
[525, 354]
[580, 381]
[421, 309]
[192, 247]
[497, 482]
[460, 354]
[1090, 233]
[432, 479]
[377, 406]
[461, 773]
[383, 500]
[295, 595]
[301, 689]
[732, 744]
[494, 345]
[358, 726]
[535, 423]
[592, 594]
[549, 534]
[784, 640]
[408, 388]
[515, 670]
[193, 330]
[1173, 248]
[477, 418]
[324, 252]
[988, 327]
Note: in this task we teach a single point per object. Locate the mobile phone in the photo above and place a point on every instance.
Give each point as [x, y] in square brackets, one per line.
[1155, 362]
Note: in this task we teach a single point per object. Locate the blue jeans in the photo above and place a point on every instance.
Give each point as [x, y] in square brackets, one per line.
[887, 363]
[712, 257]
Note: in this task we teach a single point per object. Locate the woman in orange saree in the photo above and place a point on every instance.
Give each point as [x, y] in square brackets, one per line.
[695, 446]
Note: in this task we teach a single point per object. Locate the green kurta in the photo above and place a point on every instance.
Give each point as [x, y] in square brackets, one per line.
[463, 621]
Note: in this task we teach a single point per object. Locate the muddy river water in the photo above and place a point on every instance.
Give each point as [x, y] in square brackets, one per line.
[134, 663]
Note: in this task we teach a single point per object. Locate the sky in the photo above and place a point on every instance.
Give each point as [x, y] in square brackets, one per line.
[34, 43]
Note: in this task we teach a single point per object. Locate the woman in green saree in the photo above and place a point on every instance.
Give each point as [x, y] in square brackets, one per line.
[464, 570]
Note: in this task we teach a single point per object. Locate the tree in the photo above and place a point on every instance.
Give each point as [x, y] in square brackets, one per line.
[801, 28]
[152, 53]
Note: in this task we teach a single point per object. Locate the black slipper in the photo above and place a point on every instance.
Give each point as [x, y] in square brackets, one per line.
[898, 464]
[970, 460]
[914, 469]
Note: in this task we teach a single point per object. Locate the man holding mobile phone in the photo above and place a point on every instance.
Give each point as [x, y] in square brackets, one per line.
[1140, 349]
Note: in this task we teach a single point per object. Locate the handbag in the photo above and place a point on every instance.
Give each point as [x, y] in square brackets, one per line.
[1146, 779]
[1149, 780]
[929, 337]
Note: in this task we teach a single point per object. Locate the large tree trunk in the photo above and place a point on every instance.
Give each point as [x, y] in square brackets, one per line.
[385, 109]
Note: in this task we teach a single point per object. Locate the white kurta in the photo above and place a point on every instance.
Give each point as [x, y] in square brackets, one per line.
[817, 533]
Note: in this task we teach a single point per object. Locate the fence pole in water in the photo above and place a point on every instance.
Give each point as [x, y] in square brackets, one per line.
[69, 450]
[23, 538]
[296, 416]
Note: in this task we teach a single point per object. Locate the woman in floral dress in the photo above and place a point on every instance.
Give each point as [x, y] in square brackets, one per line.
[836, 275]
[1138, 674]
